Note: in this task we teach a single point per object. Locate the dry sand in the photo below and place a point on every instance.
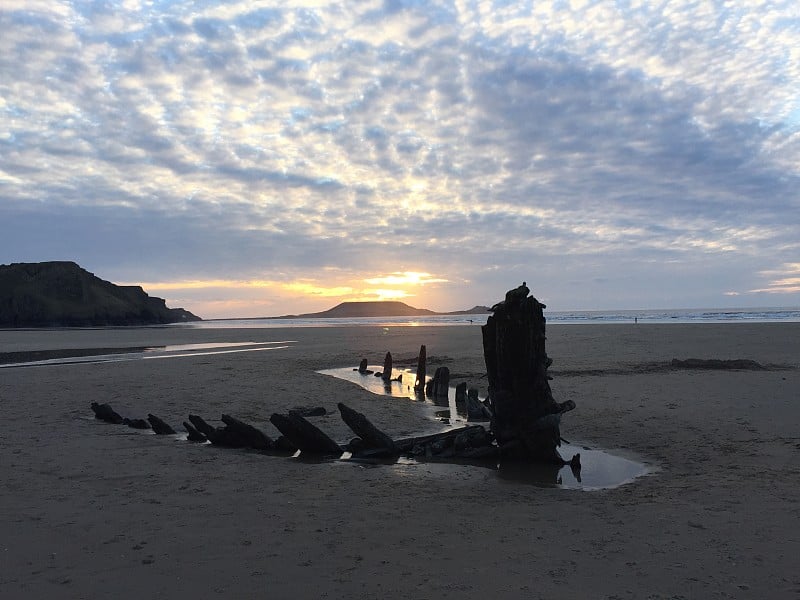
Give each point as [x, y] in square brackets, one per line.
[91, 510]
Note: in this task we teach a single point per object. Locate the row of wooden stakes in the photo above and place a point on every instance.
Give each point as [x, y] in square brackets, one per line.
[298, 433]
[436, 387]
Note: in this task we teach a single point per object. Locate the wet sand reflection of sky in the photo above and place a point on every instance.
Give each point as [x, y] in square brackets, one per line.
[43, 358]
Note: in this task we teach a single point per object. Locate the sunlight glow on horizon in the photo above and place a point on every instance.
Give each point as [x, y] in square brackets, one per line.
[305, 296]
[405, 278]
[266, 295]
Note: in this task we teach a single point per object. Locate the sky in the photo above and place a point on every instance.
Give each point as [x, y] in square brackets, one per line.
[245, 159]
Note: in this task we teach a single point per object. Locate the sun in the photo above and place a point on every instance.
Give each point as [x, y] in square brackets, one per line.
[407, 278]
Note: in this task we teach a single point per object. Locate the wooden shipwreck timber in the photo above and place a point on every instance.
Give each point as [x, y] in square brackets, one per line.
[524, 419]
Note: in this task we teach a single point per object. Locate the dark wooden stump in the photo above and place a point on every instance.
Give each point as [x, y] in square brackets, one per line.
[194, 435]
[461, 394]
[439, 386]
[373, 438]
[525, 417]
[471, 442]
[201, 425]
[476, 411]
[306, 436]
[251, 436]
[159, 426]
[225, 437]
[387, 367]
[104, 412]
[419, 381]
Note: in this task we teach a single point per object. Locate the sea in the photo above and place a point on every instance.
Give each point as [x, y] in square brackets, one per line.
[567, 317]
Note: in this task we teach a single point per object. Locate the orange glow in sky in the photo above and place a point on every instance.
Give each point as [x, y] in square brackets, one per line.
[214, 298]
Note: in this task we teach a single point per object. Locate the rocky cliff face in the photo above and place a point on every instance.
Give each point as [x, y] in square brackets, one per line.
[62, 294]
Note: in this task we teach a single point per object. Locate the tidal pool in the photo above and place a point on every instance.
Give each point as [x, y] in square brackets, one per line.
[599, 469]
[448, 411]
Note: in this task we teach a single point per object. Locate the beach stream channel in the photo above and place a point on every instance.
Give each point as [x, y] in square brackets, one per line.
[41, 358]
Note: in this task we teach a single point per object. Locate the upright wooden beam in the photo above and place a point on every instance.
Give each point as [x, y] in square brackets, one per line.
[525, 417]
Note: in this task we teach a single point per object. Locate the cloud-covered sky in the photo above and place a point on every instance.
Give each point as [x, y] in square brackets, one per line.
[263, 158]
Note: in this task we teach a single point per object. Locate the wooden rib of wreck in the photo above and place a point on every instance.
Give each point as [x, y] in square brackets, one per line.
[104, 412]
[373, 441]
[136, 423]
[525, 416]
[200, 424]
[306, 436]
[234, 434]
[159, 426]
[472, 441]
[193, 434]
[251, 437]
[476, 410]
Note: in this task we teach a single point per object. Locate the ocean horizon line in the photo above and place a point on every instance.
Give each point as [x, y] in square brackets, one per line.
[653, 316]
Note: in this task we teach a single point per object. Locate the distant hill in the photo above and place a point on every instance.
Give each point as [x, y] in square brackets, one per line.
[350, 310]
[62, 294]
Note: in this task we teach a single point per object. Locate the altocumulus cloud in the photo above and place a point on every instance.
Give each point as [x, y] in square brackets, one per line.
[612, 154]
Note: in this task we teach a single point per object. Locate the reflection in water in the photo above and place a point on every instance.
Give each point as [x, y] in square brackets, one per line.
[542, 475]
[599, 469]
[215, 349]
[203, 346]
[41, 358]
[376, 384]
[401, 389]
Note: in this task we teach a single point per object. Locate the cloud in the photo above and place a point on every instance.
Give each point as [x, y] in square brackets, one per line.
[785, 280]
[479, 141]
[405, 279]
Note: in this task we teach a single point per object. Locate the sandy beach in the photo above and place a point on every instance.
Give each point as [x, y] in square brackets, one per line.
[92, 510]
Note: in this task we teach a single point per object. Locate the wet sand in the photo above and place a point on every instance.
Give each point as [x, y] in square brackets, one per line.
[95, 510]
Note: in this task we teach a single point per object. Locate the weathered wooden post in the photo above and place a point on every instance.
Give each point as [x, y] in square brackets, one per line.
[303, 435]
[439, 386]
[419, 382]
[461, 394]
[476, 411]
[525, 417]
[159, 426]
[373, 439]
[387, 367]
